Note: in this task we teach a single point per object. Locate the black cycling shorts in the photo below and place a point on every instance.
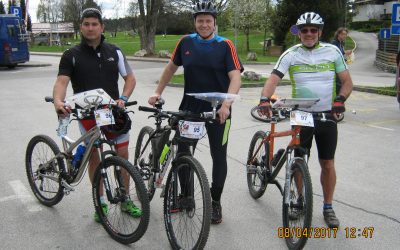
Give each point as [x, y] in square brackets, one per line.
[325, 134]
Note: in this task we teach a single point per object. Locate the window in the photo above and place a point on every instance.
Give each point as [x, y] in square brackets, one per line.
[11, 31]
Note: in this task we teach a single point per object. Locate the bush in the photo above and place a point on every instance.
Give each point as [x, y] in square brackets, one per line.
[370, 26]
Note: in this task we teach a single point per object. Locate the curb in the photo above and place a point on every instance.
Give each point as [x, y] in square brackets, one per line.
[34, 65]
[132, 58]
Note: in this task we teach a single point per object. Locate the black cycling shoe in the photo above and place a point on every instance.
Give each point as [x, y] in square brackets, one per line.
[216, 215]
[330, 218]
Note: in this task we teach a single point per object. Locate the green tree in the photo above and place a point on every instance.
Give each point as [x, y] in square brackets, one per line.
[133, 11]
[11, 3]
[23, 8]
[72, 11]
[149, 11]
[2, 8]
[250, 15]
[29, 24]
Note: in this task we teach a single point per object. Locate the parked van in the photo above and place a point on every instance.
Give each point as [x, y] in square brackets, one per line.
[13, 41]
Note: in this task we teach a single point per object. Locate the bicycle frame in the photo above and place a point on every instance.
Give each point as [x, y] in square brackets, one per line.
[294, 142]
[93, 135]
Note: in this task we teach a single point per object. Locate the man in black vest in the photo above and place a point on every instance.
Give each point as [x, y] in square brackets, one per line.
[95, 64]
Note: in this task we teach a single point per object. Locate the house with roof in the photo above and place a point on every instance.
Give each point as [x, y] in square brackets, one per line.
[51, 33]
[366, 10]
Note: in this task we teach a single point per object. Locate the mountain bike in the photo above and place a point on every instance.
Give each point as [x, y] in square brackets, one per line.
[263, 167]
[53, 174]
[187, 198]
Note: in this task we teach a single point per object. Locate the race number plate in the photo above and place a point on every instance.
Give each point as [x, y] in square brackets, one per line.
[192, 130]
[104, 117]
[301, 118]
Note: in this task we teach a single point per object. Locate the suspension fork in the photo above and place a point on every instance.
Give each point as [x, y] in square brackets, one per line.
[105, 178]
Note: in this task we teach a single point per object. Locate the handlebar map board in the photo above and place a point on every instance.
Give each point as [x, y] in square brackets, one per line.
[215, 97]
[295, 103]
[91, 98]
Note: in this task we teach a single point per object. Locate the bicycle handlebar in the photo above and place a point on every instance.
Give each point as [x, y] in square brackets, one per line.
[90, 110]
[183, 114]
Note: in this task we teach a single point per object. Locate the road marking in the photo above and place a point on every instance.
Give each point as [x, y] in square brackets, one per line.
[24, 196]
[389, 129]
[9, 198]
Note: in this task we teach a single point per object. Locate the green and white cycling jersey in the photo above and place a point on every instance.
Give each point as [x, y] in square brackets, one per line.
[312, 72]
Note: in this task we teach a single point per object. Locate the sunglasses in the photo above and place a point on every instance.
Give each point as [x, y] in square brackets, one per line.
[312, 31]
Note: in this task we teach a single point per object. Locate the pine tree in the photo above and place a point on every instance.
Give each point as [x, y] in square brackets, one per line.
[2, 8]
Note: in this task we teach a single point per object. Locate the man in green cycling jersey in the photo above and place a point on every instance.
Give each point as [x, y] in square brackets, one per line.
[313, 66]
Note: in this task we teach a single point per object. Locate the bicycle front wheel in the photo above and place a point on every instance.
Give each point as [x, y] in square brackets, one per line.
[125, 210]
[43, 170]
[257, 165]
[187, 205]
[297, 215]
[145, 161]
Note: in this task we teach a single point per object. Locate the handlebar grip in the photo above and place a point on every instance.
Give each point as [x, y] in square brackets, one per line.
[127, 104]
[147, 109]
[49, 99]
[208, 115]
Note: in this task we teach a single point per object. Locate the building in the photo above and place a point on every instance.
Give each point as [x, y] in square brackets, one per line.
[51, 33]
[372, 9]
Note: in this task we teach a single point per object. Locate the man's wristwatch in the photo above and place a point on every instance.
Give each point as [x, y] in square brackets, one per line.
[264, 99]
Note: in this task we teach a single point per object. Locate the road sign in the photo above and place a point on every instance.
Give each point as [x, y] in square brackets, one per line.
[384, 33]
[395, 29]
[16, 11]
[396, 13]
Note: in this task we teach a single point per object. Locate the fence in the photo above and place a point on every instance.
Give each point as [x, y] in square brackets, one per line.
[387, 52]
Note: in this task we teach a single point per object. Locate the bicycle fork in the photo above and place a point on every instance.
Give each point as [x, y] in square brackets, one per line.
[120, 191]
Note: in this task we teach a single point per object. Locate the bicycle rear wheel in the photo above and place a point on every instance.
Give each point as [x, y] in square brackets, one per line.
[43, 170]
[145, 162]
[119, 224]
[256, 181]
[297, 215]
[187, 205]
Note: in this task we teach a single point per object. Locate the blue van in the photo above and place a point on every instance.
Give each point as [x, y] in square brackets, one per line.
[13, 41]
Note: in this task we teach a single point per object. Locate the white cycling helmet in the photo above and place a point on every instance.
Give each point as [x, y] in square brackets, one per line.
[311, 19]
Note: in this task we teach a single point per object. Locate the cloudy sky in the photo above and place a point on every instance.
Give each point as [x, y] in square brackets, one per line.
[109, 8]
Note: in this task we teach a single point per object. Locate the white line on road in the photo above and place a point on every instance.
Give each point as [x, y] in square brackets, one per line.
[24, 196]
[373, 126]
[9, 198]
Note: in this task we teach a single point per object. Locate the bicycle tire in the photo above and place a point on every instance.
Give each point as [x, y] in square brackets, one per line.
[255, 182]
[121, 226]
[183, 212]
[40, 150]
[146, 163]
[298, 213]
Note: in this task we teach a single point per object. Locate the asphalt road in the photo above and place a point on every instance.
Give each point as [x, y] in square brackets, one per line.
[366, 191]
